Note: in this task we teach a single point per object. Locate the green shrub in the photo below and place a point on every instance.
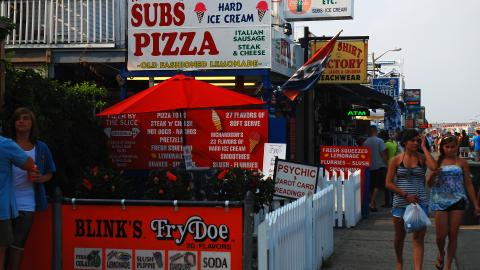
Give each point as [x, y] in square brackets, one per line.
[66, 119]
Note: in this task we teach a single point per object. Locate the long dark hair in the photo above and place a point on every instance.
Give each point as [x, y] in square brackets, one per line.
[407, 135]
[445, 140]
[33, 137]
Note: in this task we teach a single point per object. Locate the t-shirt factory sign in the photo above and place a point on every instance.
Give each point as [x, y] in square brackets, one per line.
[348, 61]
[214, 34]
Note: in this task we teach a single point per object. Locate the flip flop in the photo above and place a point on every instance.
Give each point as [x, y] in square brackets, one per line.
[439, 263]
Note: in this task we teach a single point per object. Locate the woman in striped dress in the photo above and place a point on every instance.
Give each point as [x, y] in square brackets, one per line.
[450, 184]
[408, 169]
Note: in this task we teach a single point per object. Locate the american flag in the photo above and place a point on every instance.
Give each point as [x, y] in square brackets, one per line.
[308, 75]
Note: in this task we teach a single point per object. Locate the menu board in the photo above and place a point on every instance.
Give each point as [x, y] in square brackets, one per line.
[219, 138]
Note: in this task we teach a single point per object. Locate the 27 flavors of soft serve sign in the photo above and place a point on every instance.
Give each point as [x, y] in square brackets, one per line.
[214, 34]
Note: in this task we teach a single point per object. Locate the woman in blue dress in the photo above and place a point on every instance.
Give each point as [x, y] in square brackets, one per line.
[450, 184]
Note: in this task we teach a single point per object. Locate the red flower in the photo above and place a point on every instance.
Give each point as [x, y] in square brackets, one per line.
[171, 177]
[161, 191]
[222, 174]
[87, 184]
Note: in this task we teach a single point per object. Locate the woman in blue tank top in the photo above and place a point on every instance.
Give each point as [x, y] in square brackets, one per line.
[450, 184]
[408, 169]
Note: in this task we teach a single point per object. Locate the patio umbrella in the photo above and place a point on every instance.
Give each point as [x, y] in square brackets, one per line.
[180, 93]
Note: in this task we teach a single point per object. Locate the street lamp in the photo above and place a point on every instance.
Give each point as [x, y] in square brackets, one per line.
[376, 58]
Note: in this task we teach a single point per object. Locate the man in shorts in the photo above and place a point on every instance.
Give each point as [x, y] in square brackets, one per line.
[10, 153]
[378, 166]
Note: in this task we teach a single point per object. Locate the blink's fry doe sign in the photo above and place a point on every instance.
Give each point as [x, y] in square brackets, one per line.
[348, 61]
[293, 180]
[151, 237]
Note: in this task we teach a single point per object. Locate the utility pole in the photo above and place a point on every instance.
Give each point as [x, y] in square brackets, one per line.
[3, 28]
[2, 74]
[309, 144]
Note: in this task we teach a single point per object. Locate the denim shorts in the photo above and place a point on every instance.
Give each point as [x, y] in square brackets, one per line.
[400, 211]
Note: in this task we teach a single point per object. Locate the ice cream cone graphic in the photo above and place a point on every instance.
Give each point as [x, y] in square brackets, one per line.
[216, 120]
[200, 10]
[262, 8]
[253, 140]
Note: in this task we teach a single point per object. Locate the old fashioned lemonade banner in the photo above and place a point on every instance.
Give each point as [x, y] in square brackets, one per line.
[215, 34]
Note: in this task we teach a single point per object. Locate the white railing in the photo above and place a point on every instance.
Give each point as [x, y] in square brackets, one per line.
[298, 235]
[348, 205]
[64, 23]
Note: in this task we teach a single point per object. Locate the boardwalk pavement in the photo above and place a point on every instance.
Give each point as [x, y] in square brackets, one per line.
[369, 246]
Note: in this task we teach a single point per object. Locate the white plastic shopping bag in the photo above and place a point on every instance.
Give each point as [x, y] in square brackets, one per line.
[415, 218]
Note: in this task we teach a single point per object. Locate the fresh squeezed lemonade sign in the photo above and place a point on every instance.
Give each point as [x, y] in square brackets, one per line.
[344, 158]
[199, 34]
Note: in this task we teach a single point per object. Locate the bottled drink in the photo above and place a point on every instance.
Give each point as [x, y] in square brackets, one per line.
[31, 174]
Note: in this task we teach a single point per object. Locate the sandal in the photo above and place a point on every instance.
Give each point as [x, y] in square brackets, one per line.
[439, 263]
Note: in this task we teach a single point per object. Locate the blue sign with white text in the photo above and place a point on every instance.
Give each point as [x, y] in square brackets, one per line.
[387, 86]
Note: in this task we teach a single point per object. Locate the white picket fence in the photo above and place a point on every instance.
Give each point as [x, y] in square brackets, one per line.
[299, 235]
[348, 199]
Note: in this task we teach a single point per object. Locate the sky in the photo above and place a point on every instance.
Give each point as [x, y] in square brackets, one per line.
[440, 43]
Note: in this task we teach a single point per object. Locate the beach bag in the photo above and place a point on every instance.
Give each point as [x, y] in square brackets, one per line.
[415, 218]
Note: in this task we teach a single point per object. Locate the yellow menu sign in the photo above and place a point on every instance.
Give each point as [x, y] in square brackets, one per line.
[348, 62]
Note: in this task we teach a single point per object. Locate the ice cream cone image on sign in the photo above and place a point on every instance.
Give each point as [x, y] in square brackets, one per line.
[253, 139]
[216, 120]
[262, 8]
[200, 11]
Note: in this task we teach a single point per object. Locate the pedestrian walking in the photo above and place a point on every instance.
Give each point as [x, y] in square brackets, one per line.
[408, 169]
[378, 165]
[450, 184]
[10, 153]
[464, 144]
[392, 151]
[476, 144]
[30, 192]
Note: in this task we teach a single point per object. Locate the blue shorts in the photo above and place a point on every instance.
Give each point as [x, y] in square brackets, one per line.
[400, 211]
